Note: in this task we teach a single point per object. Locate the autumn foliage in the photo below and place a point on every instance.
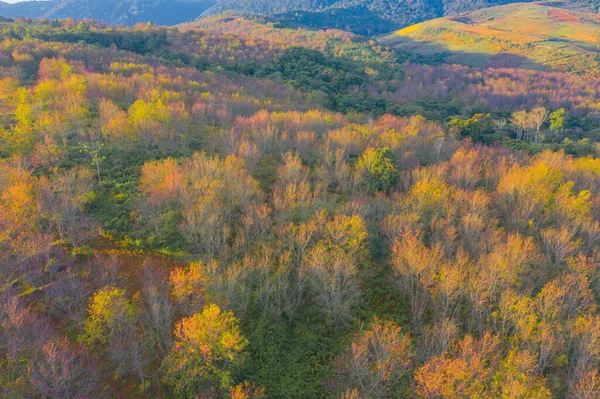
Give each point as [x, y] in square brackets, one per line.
[182, 216]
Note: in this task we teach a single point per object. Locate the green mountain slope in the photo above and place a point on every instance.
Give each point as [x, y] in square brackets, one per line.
[535, 36]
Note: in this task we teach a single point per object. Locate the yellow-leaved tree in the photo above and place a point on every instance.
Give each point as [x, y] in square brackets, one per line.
[208, 346]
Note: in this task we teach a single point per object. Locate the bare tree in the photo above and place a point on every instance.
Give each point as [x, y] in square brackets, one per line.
[281, 285]
[377, 359]
[586, 355]
[58, 371]
[530, 123]
[69, 295]
[414, 269]
[332, 275]
[521, 123]
[538, 117]
[104, 270]
[586, 387]
[159, 313]
[499, 124]
[559, 245]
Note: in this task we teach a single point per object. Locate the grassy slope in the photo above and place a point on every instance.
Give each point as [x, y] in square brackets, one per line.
[531, 35]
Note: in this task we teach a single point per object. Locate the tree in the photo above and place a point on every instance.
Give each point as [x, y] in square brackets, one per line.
[414, 269]
[447, 288]
[208, 346]
[198, 200]
[466, 168]
[159, 312]
[246, 391]
[538, 116]
[216, 191]
[112, 327]
[68, 296]
[377, 170]
[525, 191]
[430, 198]
[331, 273]
[530, 122]
[281, 285]
[586, 338]
[188, 286]
[559, 245]
[558, 120]
[437, 338]
[110, 315]
[516, 378]
[587, 387]
[376, 361]
[59, 371]
[464, 374]
[476, 127]
[520, 122]
[64, 199]
[95, 152]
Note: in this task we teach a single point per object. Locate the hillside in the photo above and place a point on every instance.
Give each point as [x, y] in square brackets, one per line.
[366, 17]
[532, 36]
[123, 12]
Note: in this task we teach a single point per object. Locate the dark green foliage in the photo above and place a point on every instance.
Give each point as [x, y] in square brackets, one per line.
[478, 127]
[291, 360]
[138, 42]
[313, 71]
[311, 68]
[366, 23]
[112, 202]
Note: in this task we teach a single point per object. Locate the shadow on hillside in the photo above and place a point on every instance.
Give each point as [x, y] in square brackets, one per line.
[422, 52]
[361, 21]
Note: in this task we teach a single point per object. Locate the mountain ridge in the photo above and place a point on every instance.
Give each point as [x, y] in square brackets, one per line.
[351, 13]
[364, 17]
[121, 12]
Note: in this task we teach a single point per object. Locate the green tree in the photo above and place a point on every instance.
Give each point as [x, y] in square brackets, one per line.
[110, 315]
[558, 120]
[377, 170]
[476, 127]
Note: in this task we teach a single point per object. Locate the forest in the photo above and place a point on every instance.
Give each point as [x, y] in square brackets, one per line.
[365, 17]
[232, 209]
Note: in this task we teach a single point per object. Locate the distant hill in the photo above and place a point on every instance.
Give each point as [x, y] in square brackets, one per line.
[366, 23]
[366, 17]
[124, 12]
[527, 35]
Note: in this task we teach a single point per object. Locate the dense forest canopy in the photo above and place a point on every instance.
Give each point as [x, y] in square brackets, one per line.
[365, 17]
[232, 209]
